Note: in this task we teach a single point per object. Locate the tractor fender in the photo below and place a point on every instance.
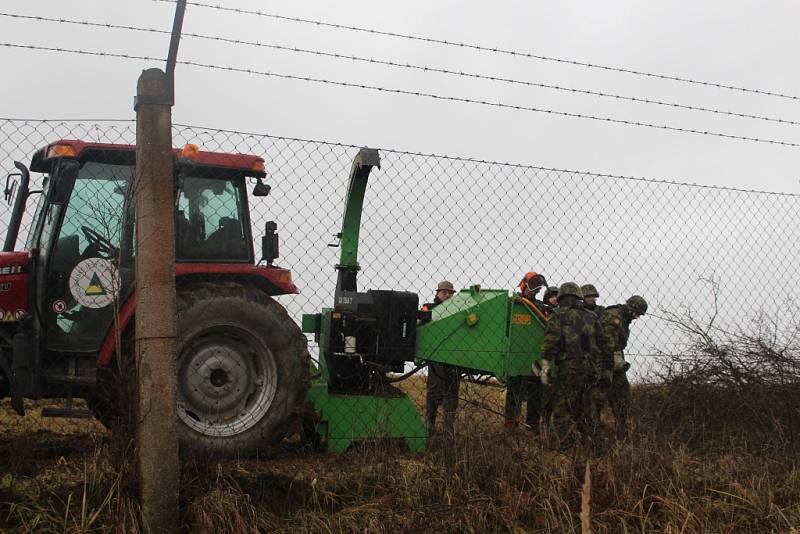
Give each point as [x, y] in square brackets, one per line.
[272, 280]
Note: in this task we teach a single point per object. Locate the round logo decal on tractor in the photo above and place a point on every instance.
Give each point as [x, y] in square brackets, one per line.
[94, 282]
[59, 306]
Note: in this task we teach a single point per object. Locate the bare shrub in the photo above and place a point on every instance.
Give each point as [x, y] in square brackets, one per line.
[732, 386]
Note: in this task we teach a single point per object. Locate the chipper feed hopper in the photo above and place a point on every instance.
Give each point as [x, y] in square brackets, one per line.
[367, 338]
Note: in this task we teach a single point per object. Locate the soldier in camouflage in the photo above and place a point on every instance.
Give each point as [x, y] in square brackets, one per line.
[590, 296]
[573, 342]
[616, 321]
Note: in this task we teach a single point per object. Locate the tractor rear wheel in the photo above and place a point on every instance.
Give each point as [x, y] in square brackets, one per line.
[242, 369]
[242, 372]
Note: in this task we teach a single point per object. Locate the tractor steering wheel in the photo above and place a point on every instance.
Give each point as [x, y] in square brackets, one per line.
[101, 245]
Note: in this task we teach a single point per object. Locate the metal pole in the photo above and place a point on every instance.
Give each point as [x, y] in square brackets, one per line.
[174, 41]
[156, 435]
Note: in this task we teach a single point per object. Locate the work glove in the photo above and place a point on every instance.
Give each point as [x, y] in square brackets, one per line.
[544, 374]
[619, 361]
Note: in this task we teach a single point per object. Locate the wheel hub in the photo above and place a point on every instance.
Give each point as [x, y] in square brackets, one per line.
[225, 385]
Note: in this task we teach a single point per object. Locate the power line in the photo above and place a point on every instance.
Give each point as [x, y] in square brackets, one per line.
[501, 105]
[423, 68]
[493, 49]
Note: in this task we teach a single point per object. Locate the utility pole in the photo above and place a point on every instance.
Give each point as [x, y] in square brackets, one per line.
[157, 460]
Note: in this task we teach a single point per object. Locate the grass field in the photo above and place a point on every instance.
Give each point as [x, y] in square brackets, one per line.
[62, 476]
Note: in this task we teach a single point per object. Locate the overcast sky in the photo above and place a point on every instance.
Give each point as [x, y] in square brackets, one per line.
[748, 44]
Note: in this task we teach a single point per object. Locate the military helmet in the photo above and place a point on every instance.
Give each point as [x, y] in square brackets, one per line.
[589, 290]
[569, 289]
[637, 304]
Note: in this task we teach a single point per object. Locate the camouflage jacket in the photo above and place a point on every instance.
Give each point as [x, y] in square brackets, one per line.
[596, 308]
[616, 321]
[573, 331]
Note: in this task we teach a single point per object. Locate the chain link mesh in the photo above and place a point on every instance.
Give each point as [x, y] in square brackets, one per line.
[721, 254]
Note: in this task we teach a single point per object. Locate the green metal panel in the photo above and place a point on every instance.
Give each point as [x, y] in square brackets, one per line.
[482, 330]
[346, 418]
[526, 333]
[311, 323]
[468, 330]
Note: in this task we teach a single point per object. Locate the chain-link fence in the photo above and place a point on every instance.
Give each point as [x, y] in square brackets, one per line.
[717, 254]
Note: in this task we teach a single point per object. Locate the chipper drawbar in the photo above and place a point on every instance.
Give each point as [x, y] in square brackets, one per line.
[367, 335]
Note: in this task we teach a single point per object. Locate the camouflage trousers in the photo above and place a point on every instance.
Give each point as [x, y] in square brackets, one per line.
[443, 385]
[574, 414]
[526, 389]
[619, 397]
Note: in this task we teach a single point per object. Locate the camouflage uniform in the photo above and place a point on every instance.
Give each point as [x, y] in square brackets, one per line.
[601, 391]
[589, 290]
[572, 341]
[616, 322]
[442, 386]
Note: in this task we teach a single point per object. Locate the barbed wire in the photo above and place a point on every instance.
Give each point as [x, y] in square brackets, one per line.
[434, 96]
[493, 49]
[655, 181]
[423, 68]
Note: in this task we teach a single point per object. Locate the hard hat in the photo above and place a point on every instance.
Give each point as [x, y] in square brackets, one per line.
[589, 290]
[569, 289]
[637, 304]
[444, 285]
[531, 281]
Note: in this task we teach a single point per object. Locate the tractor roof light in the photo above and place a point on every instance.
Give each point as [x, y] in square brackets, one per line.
[190, 152]
[61, 151]
[258, 166]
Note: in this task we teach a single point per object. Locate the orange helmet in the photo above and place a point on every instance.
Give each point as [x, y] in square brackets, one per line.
[531, 281]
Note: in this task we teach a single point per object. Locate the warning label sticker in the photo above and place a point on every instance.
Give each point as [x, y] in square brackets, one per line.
[94, 282]
[520, 318]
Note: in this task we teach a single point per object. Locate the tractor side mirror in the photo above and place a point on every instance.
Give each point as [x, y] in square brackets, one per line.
[11, 187]
[261, 189]
[269, 243]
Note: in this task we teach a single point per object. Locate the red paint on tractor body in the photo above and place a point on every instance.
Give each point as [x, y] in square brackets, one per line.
[14, 281]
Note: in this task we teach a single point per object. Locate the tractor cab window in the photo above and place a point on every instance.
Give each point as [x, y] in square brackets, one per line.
[93, 221]
[84, 272]
[210, 221]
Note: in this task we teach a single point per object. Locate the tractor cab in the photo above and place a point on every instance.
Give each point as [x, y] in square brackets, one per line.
[67, 297]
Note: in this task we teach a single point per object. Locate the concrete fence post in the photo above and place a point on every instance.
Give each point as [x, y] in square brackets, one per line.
[156, 435]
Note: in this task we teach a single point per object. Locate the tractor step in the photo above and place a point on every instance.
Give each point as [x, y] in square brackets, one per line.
[73, 380]
[75, 413]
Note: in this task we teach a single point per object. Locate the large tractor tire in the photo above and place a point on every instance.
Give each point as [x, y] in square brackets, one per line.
[242, 372]
[242, 369]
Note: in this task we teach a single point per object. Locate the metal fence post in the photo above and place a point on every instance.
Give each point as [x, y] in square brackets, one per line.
[156, 437]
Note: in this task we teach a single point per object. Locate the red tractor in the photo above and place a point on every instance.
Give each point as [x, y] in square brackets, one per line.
[68, 301]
